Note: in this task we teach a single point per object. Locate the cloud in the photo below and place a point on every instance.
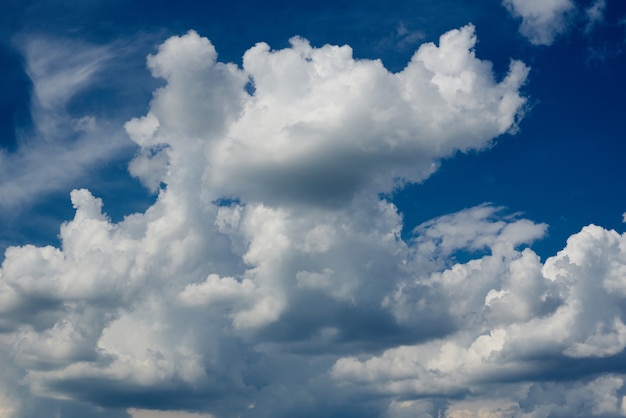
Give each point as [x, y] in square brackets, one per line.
[322, 126]
[59, 69]
[598, 397]
[63, 142]
[402, 38]
[270, 278]
[542, 20]
[595, 14]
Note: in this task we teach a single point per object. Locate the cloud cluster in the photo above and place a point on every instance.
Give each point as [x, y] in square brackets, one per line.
[517, 319]
[270, 277]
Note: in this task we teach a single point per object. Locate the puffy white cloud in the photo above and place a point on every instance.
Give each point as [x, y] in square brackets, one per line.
[270, 278]
[542, 20]
[322, 126]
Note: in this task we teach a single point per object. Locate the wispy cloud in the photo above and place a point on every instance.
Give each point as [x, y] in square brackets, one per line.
[595, 14]
[63, 142]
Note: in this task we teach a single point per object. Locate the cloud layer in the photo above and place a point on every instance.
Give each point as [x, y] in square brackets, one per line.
[270, 278]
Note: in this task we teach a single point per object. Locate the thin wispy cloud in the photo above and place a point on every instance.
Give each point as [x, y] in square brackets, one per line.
[595, 14]
[64, 142]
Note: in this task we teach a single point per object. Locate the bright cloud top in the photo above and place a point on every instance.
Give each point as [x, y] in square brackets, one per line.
[320, 125]
[269, 278]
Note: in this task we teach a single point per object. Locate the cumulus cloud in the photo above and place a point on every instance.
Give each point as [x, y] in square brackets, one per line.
[322, 126]
[270, 278]
[542, 20]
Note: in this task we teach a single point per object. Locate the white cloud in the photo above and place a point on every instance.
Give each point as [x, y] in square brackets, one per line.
[61, 68]
[269, 277]
[62, 144]
[519, 311]
[322, 126]
[542, 20]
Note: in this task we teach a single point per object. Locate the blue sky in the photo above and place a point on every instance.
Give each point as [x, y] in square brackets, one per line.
[404, 208]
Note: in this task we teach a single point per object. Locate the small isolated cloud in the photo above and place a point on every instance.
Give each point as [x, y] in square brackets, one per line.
[402, 38]
[269, 279]
[595, 14]
[542, 20]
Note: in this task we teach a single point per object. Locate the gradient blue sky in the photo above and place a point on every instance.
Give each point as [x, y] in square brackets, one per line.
[284, 252]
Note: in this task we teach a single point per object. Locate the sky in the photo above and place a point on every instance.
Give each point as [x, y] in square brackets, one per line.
[394, 209]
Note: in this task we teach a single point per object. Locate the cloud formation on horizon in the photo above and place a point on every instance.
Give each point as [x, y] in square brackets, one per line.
[270, 277]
